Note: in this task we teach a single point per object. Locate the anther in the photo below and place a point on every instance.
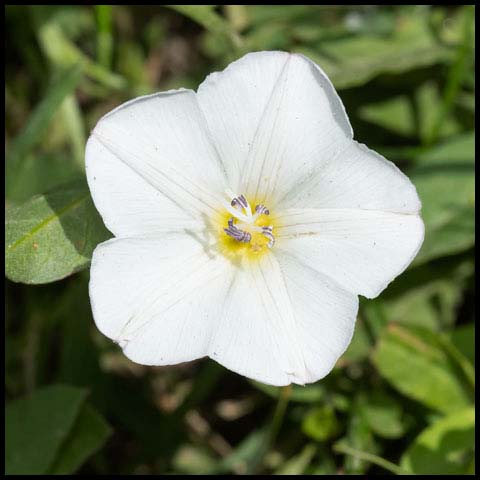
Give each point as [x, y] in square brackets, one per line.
[248, 222]
[271, 238]
[239, 235]
[262, 210]
[240, 201]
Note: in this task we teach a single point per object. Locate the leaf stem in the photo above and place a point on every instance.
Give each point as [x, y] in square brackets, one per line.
[369, 457]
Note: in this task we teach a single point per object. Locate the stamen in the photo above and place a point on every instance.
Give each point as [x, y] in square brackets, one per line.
[270, 237]
[242, 203]
[262, 210]
[242, 231]
[239, 235]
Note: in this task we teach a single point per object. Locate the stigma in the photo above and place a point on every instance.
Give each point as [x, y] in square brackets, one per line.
[245, 225]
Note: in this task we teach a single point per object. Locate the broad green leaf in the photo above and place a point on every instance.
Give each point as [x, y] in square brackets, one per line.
[395, 114]
[298, 463]
[88, 434]
[463, 337]
[399, 114]
[453, 234]
[432, 301]
[445, 181]
[37, 425]
[52, 235]
[446, 447]
[321, 423]
[457, 357]
[436, 384]
[457, 151]
[383, 414]
[38, 123]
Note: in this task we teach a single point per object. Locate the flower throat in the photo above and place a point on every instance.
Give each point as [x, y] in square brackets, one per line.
[246, 231]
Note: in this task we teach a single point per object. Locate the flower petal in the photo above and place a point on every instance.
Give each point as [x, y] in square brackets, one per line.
[325, 315]
[354, 177]
[158, 297]
[362, 250]
[270, 112]
[150, 165]
[283, 324]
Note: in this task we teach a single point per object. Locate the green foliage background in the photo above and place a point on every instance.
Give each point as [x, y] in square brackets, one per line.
[399, 400]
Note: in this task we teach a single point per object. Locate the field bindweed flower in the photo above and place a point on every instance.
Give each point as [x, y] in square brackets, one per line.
[246, 222]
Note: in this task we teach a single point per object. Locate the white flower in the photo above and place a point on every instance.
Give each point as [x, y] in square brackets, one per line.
[247, 220]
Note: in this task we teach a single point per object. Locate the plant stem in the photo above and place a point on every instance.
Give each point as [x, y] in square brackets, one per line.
[381, 462]
[277, 420]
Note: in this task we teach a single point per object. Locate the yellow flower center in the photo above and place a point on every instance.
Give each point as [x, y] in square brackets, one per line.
[243, 232]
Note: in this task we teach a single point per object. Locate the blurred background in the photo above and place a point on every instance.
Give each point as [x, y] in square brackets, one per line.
[399, 400]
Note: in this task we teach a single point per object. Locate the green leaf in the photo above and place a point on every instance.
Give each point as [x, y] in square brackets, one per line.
[398, 114]
[52, 236]
[321, 423]
[463, 337]
[63, 53]
[39, 173]
[246, 453]
[354, 60]
[428, 103]
[298, 463]
[37, 425]
[204, 15]
[436, 383]
[72, 118]
[103, 15]
[359, 437]
[88, 434]
[457, 151]
[456, 74]
[446, 447]
[39, 121]
[429, 295]
[445, 181]
[395, 114]
[383, 414]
